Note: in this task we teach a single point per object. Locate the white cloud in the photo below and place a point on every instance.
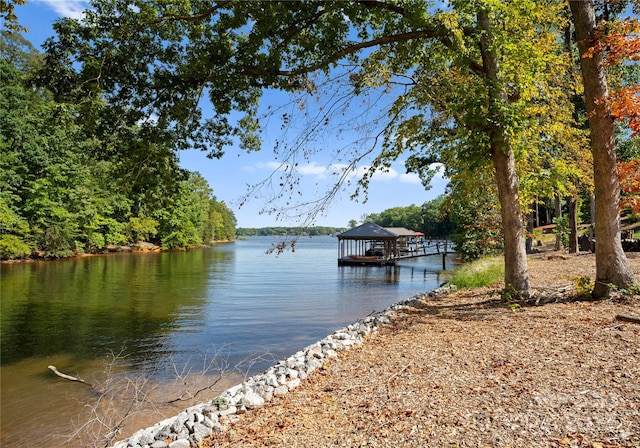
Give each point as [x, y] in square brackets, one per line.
[385, 174]
[313, 169]
[73, 9]
[410, 178]
[272, 165]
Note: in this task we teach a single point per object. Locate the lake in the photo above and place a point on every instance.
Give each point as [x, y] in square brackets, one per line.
[170, 316]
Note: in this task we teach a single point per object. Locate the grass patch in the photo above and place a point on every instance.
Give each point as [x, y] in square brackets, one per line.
[483, 272]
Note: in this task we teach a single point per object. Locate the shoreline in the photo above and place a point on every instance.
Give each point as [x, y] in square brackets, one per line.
[193, 425]
[138, 248]
[322, 409]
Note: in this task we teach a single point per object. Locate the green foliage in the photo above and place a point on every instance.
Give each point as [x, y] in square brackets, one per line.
[483, 272]
[12, 247]
[584, 285]
[269, 231]
[65, 191]
[627, 294]
[562, 229]
[514, 307]
[475, 212]
[142, 228]
[432, 218]
[511, 294]
[437, 218]
[410, 217]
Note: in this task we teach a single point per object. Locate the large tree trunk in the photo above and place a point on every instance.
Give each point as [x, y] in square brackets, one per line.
[516, 270]
[612, 266]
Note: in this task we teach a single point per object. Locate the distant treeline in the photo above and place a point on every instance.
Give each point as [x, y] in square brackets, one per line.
[268, 231]
[68, 188]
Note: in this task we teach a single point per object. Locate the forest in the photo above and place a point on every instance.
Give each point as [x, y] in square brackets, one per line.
[287, 230]
[526, 104]
[67, 189]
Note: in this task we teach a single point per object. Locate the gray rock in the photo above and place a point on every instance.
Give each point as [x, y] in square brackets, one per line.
[331, 354]
[251, 400]
[163, 433]
[198, 416]
[182, 443]
[280, 390]
[146, 438]
[183, 434]
[312, 365]
[176, 425]
[208, 422]
[159, 444]
[231, 410]
[200, 431]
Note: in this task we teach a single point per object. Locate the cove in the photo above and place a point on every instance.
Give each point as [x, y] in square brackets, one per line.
[164, 311]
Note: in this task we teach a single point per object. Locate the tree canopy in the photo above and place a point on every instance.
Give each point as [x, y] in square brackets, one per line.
[477, 86]
[66, 191]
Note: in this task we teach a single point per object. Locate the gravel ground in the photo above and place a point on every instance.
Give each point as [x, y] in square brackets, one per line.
[466, 370]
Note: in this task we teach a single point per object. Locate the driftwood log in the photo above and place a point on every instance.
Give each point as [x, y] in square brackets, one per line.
[634, 320]
[72, 378]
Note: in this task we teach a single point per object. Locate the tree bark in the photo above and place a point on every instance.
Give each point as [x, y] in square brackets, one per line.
[573, 224]
[516, 270]
[528, 243]
[612, 266]
[558, 205]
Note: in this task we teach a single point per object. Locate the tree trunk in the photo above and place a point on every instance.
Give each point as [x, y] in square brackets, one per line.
[592, 227]
[529, 241]
[573, 224]
[516, 270]
[612, 266]
[558, 204]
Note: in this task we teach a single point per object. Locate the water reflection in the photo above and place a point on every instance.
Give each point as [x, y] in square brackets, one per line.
[171, 311]
[99, 304]
[369, 275]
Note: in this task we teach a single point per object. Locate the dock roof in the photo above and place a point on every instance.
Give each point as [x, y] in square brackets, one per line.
[368, 230]
[401, 231]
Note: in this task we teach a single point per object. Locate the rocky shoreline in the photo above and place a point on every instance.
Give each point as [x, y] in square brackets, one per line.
[193, 425]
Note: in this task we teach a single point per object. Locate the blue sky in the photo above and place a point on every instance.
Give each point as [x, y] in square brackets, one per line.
[231, 175]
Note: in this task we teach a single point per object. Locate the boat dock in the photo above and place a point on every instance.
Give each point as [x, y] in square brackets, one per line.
[373, 245]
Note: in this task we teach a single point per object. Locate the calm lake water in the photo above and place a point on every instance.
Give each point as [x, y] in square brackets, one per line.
[173, 312]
